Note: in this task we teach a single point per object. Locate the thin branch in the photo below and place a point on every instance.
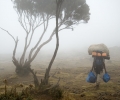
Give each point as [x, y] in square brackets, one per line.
[21, 23]
[67, 27]
[34, 22]
[38, 49]
[39, 24]
[44, 22]
[45, 28]
[14, 51]
[25, 48]
[30, 38]
[9, 34]
[30, 23]
[47, 41]
[25, 22]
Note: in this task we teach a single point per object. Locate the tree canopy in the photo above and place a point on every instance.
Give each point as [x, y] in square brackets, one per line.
[72, 11]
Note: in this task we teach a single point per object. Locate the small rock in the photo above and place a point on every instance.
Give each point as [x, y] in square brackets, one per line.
[82, 95]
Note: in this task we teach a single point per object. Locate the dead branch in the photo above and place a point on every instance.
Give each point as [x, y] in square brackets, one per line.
[9, 34]
[15, 62]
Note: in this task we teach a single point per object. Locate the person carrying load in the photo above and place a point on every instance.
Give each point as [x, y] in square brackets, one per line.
[99, 52]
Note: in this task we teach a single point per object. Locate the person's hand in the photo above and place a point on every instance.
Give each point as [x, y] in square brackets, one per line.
[91, 70]
[105, 71]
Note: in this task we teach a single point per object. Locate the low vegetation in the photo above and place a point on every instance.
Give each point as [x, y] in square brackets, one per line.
[72, 85]
[29, 92]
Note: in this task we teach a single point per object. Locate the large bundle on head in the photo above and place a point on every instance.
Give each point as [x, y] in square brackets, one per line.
[98, 47]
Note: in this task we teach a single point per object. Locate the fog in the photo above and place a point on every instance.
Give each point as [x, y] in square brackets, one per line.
[103, 27]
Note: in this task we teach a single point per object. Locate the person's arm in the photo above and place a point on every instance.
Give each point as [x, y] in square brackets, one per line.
[104, 67]
[92, 66]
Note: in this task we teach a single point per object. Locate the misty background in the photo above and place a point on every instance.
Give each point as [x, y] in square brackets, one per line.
[103, 27]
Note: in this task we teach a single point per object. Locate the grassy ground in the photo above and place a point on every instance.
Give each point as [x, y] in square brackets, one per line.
[72, 79]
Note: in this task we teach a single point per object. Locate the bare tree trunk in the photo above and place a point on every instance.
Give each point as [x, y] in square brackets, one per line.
[46, 78]
[36, 82]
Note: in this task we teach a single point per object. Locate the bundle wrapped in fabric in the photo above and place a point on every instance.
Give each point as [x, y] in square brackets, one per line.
[91, 78]
[106, 77]
[98, 47]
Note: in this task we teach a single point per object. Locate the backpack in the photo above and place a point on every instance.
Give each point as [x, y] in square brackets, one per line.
[98, 61]
[98, 65]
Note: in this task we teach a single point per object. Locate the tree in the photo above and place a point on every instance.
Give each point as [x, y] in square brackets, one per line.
[58, 8]
[35, 13]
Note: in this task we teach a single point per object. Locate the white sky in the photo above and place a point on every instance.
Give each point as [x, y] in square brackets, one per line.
[103, 27]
